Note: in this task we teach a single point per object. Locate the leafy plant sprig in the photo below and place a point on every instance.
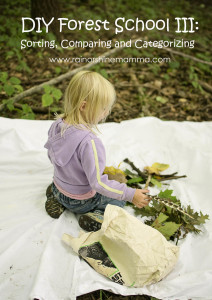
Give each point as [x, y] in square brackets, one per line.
[9, 85]
[176, 225]
[165, 212]
[51, 94]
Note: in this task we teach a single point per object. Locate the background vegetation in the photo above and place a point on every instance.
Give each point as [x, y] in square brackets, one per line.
[179, 90]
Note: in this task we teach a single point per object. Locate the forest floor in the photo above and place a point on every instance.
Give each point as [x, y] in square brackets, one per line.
[179, 90]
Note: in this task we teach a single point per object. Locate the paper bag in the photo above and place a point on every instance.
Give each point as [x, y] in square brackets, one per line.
[125, 250]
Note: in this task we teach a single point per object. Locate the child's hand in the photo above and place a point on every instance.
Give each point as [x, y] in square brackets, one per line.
[140, 199]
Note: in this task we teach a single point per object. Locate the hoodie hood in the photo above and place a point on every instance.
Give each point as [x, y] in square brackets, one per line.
[61, 148]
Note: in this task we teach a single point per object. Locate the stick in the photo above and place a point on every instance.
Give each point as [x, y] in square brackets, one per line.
[205, 86]
[170, 204]
[188, 56]
[171, 177]
[143, 175]
[136, 83]
[148, 181]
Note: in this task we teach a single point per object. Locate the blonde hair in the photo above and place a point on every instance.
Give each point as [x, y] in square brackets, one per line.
[92, 88]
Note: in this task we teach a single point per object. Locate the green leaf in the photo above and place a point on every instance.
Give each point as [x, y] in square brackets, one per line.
[57, 70]
[47, 89]
[47, 100]
[168, 194]
[9, 54]
[18, 87]
[9, 89]
[9, 104]
[166, 76]
[202, 218]
[161, 99]
[129, 173]
[146, 211]
[174, 65]
[26, 108]
[160, 219]
[14, 80]
[104, 73]
[27, 112]
[157, 206]
[3, 77]
[55, 109]
[56, 93]
[28, 116]
[195, 84]
[155, 182]
[168, 229]
[135, 180]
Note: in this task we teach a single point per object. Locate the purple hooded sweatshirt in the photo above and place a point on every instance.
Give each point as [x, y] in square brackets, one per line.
[78, 157]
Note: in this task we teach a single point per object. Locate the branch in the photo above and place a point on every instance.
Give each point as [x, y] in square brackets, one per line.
[205, 86]
[170, 204]
[56, 80]
[143, 175]
[171, 177]
[188, 56]
[148, 181]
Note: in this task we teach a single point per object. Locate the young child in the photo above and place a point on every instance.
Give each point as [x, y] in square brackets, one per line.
[78, 155]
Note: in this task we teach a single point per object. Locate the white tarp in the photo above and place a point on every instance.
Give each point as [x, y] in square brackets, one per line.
[35, 263]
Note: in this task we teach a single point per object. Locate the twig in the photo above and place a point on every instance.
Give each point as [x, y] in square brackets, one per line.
[148, 181]
[171, 177]
[170, 204]
[143, 175]
[205, 86]
[168, 175]
[136, 83]
[188, 56]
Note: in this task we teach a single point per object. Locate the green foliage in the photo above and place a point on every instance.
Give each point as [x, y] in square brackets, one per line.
[103, 72]
[173, 224]
[132, 177]
[11, 27]
[155, 68]
[17, 59]
[100, 69]
[194, 79]
[57, 70]
[156, 182]
[9, 85]
[26, 112]
[174, 65]
[51, 94]
[166, 228]
[135, 180]
[167, 194]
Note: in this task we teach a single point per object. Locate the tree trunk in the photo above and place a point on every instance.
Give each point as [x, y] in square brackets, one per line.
[47, 9]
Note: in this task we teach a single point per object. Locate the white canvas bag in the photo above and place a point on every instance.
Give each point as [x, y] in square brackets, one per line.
[125, 250]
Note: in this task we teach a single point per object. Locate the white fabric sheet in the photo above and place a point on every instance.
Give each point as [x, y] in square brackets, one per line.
[35, 263]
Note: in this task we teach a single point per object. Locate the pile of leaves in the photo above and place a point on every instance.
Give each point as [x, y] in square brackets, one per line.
[165, 212]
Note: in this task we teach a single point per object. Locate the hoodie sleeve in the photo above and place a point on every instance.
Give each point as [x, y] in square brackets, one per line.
[92, 157]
